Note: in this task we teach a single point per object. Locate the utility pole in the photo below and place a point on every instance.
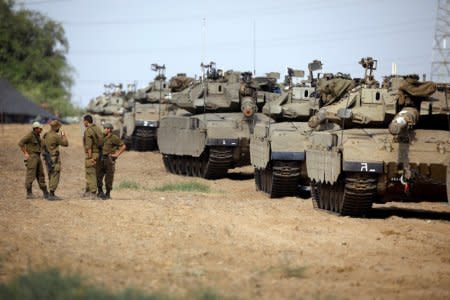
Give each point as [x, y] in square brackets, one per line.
[440, 66]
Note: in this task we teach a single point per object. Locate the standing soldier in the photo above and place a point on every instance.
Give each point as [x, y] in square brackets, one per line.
[52, 140]
[113, 147]
[93, 141]
[31, 147]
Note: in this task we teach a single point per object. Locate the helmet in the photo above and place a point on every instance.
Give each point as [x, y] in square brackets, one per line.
[108, 125]
[55, 123]
[37, 125]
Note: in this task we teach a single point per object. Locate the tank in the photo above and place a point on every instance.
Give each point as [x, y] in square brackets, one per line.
[379, 144]
[278, 149]
[143, 113]
[109, 107]
[214, 135]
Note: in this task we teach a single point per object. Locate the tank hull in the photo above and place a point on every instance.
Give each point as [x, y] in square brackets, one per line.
[278, 156]
[206, 145]
[353, 168]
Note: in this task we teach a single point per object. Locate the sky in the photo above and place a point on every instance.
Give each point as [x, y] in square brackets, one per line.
[116, 41]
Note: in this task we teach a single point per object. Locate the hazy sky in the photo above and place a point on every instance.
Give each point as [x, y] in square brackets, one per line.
[117, 40]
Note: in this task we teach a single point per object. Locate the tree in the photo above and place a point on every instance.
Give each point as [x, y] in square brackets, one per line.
[33, 52]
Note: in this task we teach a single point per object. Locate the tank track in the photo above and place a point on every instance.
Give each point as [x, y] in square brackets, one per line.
[278, 180]
[144, 139]
[212, 164]
[349, 196]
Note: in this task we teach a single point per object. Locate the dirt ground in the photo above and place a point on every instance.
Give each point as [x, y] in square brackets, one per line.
[233, 239]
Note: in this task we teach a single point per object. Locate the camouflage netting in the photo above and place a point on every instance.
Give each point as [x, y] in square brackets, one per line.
[412, 91]
[333, 89]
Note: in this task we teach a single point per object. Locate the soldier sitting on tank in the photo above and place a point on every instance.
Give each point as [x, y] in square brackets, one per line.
[113, 147]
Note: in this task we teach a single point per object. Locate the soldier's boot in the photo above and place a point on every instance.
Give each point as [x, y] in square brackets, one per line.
[107, 195]
[90, 196]
[100, 193]
[46, 194]
[53, 196]
[30, 194]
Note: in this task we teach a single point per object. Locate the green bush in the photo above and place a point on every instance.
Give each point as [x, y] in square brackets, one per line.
[51, 284]
[192, 186]
[128, 184]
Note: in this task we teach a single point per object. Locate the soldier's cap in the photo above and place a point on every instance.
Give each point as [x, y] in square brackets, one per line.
[37, 125]
[108, 125]
[55, 123]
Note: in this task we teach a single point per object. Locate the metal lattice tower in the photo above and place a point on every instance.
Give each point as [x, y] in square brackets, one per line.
[440, 66]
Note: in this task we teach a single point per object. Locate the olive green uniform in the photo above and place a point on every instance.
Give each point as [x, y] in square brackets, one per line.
[93, 139]
[33, 146]
[111, 144]
[52, 141]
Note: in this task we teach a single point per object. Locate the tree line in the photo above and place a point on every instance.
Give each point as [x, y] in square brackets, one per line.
[33, 51]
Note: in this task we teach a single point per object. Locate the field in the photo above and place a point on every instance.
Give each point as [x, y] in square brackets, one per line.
[227, 237]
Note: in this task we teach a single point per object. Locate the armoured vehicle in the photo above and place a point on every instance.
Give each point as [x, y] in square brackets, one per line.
[109, 107]
[214, 136]
[278, 149]
[143, 112]
[380, 144]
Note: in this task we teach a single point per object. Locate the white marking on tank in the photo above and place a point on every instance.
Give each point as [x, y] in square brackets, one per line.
[364, 167]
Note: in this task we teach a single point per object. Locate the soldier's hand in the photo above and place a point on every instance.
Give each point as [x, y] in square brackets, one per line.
[115, 155]
[26, 156]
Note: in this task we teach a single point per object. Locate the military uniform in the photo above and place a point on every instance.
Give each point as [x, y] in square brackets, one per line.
[33, 146]
[111, 144]
[52, 141]
[93, 139]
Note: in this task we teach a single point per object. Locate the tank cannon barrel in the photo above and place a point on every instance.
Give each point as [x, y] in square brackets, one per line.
[406, 118]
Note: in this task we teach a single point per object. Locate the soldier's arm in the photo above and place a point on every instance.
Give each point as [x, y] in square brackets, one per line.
[88, 142]
[62, 139]
[121, 149]
[22, 143]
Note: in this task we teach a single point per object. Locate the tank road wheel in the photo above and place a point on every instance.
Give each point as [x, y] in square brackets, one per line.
[196, 167]
[257, 175]
[128, 141]
[268, 181]
[284, 179]
[171, 163]
[352, 195]
[315, 195]
[189, 162]
[166, 162]
[179, 165]
[279, 179]
[219, 161]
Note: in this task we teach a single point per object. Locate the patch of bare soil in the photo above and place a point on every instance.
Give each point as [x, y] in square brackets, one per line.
[232, 239]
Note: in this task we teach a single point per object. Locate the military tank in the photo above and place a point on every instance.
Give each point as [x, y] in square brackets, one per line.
[278, 149]
[214, 136]
[380, 144]
[143, 112]
[109, 107]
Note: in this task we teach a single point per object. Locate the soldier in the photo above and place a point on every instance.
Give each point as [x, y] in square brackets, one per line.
[113, 147]
[31, 147]
[93, 141]
[52, 140]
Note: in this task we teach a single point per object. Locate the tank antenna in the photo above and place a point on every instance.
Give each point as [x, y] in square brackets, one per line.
[160, 69]
[203, 58]
[254, 48]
